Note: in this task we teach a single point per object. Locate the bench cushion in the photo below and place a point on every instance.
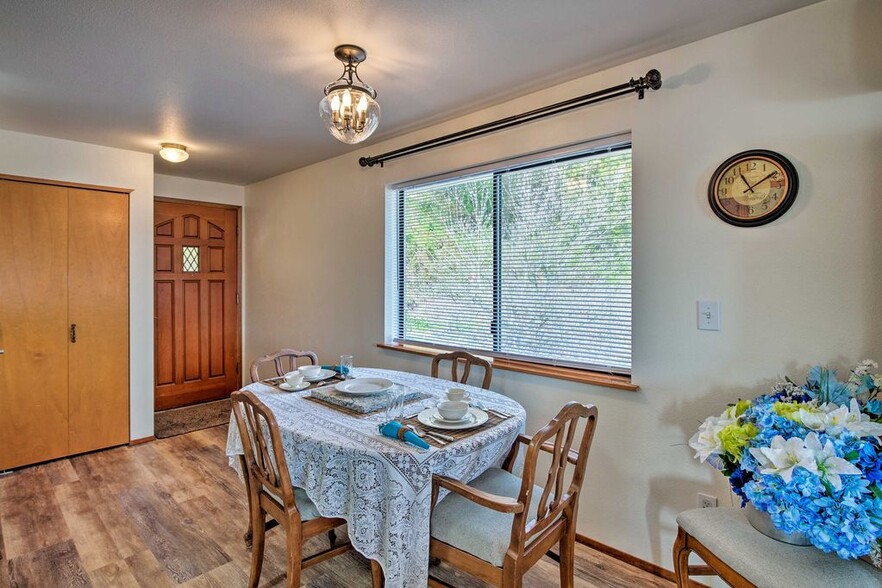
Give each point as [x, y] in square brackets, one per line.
[769, 563]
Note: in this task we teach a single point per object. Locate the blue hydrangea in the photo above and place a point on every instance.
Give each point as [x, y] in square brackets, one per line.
[847, 521]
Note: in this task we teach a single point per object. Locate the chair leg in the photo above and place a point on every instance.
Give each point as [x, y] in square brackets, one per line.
[332, 538]
[249, 532]
[258, 537]
[568, 556]
[681, 559]
[511, 578]
[295, 556]
[377, 580]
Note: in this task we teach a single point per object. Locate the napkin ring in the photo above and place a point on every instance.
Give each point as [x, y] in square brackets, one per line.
[401, 432]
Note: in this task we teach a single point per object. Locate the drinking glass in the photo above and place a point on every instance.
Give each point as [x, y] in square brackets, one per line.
[395, 405]
[346, 366]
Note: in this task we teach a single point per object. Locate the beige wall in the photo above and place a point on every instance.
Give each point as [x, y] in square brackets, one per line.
[201, 190]
[804, 289]
[56, 159]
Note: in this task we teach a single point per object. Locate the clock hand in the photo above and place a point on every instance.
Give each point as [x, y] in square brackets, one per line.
[762, 180]
[746, 183]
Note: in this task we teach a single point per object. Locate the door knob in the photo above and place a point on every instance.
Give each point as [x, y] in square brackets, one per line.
[2, 351]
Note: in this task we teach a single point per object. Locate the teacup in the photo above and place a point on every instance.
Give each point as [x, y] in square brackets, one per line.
[453, 410]
[310, 371]
[456, 394]
[294, 378]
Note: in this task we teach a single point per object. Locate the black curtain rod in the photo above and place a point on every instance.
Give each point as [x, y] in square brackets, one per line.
[651, 81]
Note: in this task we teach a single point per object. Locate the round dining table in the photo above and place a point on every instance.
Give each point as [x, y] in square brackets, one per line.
[381, 486]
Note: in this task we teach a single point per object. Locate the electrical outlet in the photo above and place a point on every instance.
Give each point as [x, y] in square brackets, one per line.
[706, 501]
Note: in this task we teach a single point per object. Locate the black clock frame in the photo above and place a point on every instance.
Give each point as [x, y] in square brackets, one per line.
[787, 200]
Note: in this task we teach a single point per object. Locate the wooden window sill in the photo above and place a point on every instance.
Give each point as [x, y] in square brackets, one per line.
[536, 369]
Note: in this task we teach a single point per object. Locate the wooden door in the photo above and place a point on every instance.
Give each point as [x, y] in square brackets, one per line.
[196, 285]
[98, 262]
[33, 323]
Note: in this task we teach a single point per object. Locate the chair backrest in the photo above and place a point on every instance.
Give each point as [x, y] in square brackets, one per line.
[467, 360]
[285, 361]
[557, 439]
[267, 468]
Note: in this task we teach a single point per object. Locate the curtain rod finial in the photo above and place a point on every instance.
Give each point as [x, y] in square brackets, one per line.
[651, 81]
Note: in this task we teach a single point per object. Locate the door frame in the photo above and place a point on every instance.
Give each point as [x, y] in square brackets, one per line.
[239, 258]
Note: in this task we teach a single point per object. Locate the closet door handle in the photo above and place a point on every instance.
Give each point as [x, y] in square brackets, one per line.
[73, 333]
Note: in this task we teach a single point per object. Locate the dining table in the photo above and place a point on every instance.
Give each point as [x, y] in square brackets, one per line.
[382, 486]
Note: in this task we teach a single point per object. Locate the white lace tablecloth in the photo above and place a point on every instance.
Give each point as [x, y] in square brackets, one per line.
[381, 486]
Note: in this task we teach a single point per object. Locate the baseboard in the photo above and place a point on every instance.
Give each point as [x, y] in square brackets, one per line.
[142, 440]
[629, 559]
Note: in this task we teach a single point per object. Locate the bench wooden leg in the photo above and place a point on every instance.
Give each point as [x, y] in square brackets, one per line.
[681, 559]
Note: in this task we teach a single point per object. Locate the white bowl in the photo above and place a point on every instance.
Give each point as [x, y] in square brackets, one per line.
[453, 410]
[310, 371]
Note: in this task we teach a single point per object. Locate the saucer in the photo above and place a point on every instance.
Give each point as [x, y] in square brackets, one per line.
[322, 375]
[287, 388]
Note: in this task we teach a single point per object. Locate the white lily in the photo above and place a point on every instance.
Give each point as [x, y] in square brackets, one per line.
[706, 442]
[826, 462]
[835, 418]
[784, 456]
[812, 417]
[860, 423]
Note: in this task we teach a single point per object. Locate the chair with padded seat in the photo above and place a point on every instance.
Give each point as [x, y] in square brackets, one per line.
[465, 360]
[499, 525]
[284, 360]
[270, 492]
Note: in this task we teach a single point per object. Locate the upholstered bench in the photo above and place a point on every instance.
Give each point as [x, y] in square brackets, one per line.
[742, 556]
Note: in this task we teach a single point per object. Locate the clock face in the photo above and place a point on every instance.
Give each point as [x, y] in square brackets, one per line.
[753, 188]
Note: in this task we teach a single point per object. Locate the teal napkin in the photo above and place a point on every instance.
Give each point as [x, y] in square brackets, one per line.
[393, 429]
[337, 368]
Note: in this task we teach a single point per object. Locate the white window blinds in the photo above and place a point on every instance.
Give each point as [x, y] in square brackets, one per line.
[530, 262]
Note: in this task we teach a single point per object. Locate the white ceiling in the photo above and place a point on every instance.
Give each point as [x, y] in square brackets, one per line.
[239, 81]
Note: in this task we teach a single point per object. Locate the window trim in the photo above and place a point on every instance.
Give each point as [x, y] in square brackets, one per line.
[584, 376]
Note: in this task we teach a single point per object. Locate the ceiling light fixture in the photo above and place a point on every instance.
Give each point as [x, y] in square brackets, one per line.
[174, 152]
[350, 108]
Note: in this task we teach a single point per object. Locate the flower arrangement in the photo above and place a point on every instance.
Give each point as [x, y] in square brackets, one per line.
[810, 456]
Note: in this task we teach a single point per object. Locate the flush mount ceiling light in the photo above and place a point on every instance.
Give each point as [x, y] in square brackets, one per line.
[350, 108]
[174, 152]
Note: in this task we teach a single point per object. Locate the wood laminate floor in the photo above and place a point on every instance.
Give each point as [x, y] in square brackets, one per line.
[172, 513]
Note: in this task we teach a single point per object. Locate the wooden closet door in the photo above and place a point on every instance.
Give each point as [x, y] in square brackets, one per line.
[98, 262]
[33, 323]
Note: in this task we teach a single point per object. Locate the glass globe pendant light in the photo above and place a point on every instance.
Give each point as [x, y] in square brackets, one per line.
[349, 108]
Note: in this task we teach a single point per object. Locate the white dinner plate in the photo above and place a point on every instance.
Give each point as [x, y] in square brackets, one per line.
[288, 388]
[364, 386]
[322, 375]
[475, 417]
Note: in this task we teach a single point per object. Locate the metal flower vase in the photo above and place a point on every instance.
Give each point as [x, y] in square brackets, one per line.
[762, 522]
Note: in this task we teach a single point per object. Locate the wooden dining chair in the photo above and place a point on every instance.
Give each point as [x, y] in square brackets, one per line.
[466, 360]
[270, 492]
[499, 525]
[285, 361]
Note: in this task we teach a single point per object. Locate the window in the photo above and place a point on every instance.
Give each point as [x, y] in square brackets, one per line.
[530, 262]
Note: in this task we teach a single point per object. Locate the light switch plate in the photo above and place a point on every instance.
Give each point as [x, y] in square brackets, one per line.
[709, 315]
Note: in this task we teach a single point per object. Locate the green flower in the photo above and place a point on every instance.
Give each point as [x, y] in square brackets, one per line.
[788, 410]
[734, 437]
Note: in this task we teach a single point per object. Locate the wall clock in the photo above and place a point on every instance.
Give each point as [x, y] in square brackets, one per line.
[753, 188]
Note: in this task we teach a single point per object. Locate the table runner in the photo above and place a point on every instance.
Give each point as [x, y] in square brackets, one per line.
[382, 487]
